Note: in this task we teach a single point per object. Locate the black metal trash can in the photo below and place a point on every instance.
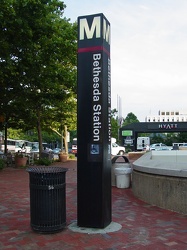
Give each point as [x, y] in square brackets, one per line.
[47, 198]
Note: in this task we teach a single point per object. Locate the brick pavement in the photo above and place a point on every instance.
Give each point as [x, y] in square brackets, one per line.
[143, 226]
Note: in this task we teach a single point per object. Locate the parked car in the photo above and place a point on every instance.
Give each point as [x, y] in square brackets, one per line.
[183, 146]
[159, 146]
[116, 149]
[56, 150]
[46, 149]
[34, 150]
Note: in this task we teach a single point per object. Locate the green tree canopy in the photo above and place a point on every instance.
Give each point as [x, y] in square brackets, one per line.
[130, 118]
[38, 61]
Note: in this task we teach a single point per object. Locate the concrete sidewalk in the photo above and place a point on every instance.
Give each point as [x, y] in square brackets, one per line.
[142, 226]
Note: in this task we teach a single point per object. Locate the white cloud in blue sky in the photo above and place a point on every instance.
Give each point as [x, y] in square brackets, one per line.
[148, 52]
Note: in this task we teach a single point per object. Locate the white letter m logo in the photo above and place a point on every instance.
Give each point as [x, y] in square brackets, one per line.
[95, 27]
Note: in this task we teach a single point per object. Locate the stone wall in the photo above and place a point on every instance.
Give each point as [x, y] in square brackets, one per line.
[163, 191]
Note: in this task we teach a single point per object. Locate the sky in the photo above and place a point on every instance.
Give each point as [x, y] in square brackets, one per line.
[148, 52]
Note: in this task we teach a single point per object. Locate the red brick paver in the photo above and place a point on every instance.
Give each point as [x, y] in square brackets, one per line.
[143, 226]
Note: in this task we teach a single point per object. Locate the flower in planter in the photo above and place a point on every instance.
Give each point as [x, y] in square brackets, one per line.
[20, 159]
[20, 154]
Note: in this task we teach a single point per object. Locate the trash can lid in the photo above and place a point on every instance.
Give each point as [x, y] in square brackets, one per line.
[120, 156]
[44, 169]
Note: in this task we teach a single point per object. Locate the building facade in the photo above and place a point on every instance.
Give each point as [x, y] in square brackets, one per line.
[168, 116]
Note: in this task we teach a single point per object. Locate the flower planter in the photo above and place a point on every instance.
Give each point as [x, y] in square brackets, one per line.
[20, 161]
[63, 157]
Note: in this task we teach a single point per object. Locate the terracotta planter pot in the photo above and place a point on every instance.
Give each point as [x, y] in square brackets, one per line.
[63, 157]
[20, 161]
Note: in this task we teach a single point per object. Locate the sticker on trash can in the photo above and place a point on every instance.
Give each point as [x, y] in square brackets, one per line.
[50, 187]
[94, 150]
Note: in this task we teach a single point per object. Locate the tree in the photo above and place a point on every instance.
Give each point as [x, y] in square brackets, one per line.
[63, 119]
[114, 124]
[130, 118]
[38, 61]
[182, 137]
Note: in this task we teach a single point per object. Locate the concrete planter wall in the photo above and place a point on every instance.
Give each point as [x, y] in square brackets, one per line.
[163, 191]
[160, 178]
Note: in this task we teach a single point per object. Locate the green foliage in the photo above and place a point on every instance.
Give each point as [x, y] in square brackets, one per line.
[157, 138]
[23, 167]
[114, 124]
[38, 64]
[130, 118]
[114, 128]
[2, 164]
[16, 134]
[128, 149]
[72, 156]
[44, 161]
[169, 138]
[73, 134]
[182, 137]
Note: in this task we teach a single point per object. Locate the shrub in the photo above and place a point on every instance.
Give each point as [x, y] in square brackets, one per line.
[71, 156]
[2, 164]
[128, 149]
[44, 161]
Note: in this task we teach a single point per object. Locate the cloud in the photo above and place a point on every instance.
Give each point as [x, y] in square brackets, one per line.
[148, 52]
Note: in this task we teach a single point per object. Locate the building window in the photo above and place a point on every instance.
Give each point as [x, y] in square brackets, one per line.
[162, 113]
[163, 119]
[172, 113]
[167, 113]
[177, 113]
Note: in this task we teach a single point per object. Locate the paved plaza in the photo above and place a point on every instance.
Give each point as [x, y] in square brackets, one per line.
[143, 226]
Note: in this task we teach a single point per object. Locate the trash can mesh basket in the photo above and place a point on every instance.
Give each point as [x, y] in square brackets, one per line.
[47, 198]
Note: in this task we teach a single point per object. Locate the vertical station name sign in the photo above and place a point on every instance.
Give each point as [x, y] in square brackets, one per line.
[94, 124]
